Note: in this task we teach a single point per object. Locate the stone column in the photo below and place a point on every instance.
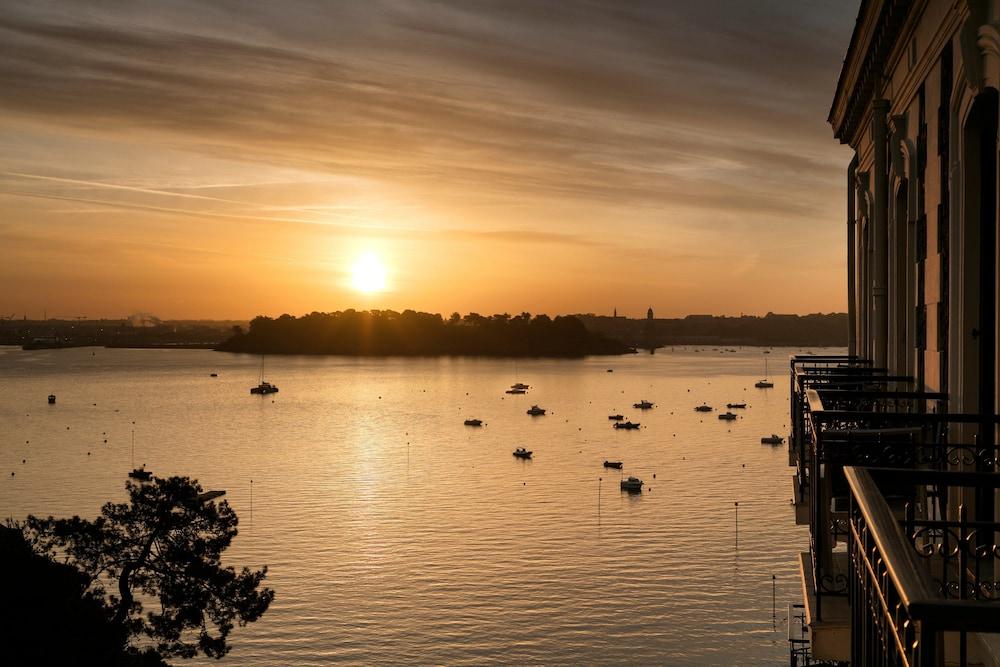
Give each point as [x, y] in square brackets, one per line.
[880, 240]
[852, 269]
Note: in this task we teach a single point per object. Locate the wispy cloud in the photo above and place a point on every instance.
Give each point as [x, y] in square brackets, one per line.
[579, 122]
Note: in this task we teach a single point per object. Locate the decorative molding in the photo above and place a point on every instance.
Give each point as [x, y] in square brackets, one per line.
[863, 184]
[901, 150]
[988, 45]
[968, 38]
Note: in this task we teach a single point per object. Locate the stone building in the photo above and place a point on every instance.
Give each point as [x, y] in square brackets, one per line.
[895, 445]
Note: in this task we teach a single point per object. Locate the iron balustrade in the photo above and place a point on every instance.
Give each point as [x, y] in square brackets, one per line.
[915, 578]
[907, 440]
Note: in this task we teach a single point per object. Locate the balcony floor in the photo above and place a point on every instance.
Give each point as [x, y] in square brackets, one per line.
[831, 636]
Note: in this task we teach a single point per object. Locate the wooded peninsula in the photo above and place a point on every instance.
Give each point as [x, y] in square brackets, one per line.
[411, 333]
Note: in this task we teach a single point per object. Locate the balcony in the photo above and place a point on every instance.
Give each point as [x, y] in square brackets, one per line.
[923, 586]
[847, 414]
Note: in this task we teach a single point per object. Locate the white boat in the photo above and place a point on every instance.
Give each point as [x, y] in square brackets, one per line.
[631, 484]
[643, 405]
[536, 411]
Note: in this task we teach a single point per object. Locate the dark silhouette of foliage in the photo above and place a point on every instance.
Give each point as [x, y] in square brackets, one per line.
[386, 332]
[165, 543]
[50, 617]
[813, 330]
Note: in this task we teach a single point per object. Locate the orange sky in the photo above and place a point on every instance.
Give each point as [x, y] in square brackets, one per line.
[237, 159]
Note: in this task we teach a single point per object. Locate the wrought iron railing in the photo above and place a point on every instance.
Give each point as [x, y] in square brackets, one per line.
[919, 584]
[904, 440]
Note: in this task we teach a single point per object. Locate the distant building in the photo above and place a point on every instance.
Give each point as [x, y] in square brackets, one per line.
[649, 313]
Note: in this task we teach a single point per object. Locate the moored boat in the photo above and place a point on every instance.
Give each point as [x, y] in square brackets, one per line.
[728, 416]
[473, 422]
[643, 405]
[613, 464]
[703, 408]
[536, 411]
[616, 418]
[773, 439]
[735, 405]
[631, 484]
[629, 426]
[522, 453]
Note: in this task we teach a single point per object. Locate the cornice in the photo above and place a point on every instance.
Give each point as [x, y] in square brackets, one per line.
[878, 25]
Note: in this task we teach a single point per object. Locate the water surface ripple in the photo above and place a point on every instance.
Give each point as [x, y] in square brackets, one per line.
[395, 534]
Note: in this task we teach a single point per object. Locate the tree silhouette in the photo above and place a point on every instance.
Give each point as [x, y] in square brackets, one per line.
[165, 543]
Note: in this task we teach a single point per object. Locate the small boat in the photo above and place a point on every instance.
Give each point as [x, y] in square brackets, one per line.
[728, 416]
[264, 388]
[765, 383]
[139, 473]
[516, 391]
[213, 375]
[473, 422]
[773, 439]
[616, 418]
[629, 426]
[735, 405]
[613, 464]
[210, 495]
[703, 408]
[610, 370]
[52, 399]
[536, 411]
[522, 453]
[632, 484]
[519, 385]
[643, 405]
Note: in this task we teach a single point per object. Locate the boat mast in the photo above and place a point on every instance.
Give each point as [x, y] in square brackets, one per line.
[133, 449]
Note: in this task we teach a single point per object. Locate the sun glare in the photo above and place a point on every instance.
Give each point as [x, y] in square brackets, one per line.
[368, 274]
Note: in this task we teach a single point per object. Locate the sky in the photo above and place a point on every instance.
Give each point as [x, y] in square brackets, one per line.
[229, 159]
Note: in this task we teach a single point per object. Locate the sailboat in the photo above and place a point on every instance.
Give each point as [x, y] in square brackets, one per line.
[765, 383]
[140, 473]
[263, 388]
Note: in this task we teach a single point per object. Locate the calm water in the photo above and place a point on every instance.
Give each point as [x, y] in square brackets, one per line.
[396, 534]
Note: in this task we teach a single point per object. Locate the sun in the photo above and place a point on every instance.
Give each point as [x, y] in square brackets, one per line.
[368, 274]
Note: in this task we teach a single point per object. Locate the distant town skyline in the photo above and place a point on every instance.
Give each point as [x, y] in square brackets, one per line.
[225, 160]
